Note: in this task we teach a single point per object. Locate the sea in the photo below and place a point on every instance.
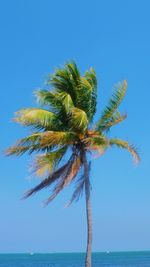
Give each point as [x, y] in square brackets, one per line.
[110, 259]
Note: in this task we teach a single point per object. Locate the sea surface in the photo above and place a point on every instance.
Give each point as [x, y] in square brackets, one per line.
[111, 259]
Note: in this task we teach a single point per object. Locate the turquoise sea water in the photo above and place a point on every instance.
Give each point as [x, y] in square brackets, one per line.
[118, 259]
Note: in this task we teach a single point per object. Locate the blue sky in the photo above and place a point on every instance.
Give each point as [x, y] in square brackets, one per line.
[114, 38]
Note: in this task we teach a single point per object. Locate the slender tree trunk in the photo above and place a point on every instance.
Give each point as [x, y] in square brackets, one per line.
[88, 212]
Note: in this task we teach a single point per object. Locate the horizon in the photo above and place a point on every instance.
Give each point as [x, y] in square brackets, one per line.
[79, 252]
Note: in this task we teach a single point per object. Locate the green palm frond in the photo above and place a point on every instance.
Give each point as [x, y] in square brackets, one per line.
[46, 97]
[96, 144]
[78, 120]
[66, 101]
[62, 81]
[86, 94]
[53, 138]
[84, 97]
[115, 119]
[46, 163]
[97, 140]
[41, 142]
[91, 78]
[113, 105]
[125, 145]
[28, 144]
[38, 118]
[58, 101]
[74, 71]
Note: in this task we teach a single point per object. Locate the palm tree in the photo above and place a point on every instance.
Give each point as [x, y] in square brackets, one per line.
[63, 127]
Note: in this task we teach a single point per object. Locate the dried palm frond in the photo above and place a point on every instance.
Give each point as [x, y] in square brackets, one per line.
[125, 145]
[67, 178]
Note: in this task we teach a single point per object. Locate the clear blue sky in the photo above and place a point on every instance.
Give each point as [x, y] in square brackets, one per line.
[114, 38]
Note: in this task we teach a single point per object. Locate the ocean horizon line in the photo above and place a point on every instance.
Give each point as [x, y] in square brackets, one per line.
[76, 252]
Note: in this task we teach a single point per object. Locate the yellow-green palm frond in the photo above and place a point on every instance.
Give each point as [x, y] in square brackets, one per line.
[115, 119]
[28, 144]
[74, 72]
[91, 78]
[53, 138]
[48, 98]
[97, 143]
[66, 101]
[86, 93]
[90, 75]
[46, 163]
[84, 97]
[38, 118]
[96, 140]
[45, 141]
[125, 145]
[113, 105]
[57, 101]
[78, 120]
[63, 81]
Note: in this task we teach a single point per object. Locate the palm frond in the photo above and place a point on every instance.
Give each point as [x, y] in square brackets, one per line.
[46, 163]
[48, 181]
[113, 105]
[96, 144]
[91, 78]
[45, 141]
[46, 97]
[69, 176]
[56, 100]
[38, 118]
[74, 71]
[53, 138]
[78, 190]
[62, 81]
[62, 177]
[115, 119]
[28, 144]
[125, 145]
[59, 102]
[78, 120]
[96, 140]
[86, 94]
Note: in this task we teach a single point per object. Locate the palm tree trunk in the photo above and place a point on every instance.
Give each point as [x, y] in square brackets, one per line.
[88, 212]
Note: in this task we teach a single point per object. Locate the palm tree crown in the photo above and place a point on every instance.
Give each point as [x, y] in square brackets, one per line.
[66, 124]
[65, 127]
